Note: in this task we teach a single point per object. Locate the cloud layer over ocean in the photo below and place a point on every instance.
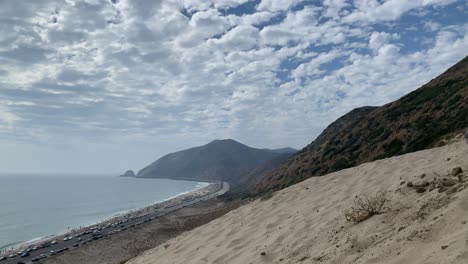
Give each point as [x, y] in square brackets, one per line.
[99, 86]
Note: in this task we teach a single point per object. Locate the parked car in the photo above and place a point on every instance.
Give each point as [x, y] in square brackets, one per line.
[2, 258]
[25, 254]
[43, 245]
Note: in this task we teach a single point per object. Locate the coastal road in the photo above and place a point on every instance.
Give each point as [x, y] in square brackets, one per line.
[108, 228]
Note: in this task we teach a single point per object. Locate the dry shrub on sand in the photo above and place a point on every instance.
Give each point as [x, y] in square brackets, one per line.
[366, 206]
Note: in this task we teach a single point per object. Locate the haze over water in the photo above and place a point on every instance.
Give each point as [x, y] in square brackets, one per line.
[37, 206]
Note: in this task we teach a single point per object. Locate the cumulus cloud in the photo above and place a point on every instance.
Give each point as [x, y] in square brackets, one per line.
[157, 76]
[380, 39]
[277, 5]
[374, 11]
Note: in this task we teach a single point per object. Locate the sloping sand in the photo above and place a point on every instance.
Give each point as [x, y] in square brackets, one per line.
[305, 222]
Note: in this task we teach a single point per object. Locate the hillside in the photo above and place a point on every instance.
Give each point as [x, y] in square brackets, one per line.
[220, 160]
[419, 120]
[305, 223]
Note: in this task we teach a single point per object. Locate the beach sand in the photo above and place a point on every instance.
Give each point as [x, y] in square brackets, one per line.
[305, 223]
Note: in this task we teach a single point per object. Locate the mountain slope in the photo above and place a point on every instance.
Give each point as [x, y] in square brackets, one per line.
[416, 121]
[224, 160]
[305, 223]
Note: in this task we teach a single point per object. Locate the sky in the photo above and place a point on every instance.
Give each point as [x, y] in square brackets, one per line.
[102, 86]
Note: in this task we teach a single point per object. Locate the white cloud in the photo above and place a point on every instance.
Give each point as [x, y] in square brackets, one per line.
[373, 10]
[432, 26]
[7, 117]
[238, 38]
[175, 74]
[277, 5]
[379, 39]
[223, 4]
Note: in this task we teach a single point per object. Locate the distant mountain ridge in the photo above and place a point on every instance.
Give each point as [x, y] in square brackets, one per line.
[417, 121]
[219, 160]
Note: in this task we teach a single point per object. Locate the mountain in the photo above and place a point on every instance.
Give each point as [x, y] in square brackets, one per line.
[422, 119]
[220, 160]
[247, 179]
[128, 173]
[283, 150]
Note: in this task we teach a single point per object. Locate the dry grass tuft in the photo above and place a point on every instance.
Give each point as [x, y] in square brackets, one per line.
[366, 206]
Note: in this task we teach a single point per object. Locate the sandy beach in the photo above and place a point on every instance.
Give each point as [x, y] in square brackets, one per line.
[425, 218]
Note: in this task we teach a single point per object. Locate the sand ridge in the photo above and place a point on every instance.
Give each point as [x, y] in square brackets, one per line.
[305, 222]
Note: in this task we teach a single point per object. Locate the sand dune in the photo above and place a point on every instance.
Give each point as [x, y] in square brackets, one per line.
[305, 222]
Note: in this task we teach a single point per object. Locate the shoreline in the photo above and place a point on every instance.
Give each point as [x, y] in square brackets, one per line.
[128, 244]
[210, 188]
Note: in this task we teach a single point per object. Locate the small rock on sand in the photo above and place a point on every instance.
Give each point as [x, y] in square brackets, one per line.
[456, 171]
[420, 189]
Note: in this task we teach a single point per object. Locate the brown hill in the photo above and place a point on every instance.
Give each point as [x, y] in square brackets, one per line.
[419, 120]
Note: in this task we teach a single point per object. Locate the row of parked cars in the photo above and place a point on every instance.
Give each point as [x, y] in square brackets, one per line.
[26, 252]
[95, 232]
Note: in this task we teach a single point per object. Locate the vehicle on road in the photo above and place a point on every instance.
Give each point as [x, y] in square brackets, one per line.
[43, 245]
[2, 258]
[42, 256]
[25, 254]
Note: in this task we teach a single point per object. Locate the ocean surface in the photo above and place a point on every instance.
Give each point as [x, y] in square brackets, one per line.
[33, 207]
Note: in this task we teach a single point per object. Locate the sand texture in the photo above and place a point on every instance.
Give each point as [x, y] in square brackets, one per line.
[305, 223]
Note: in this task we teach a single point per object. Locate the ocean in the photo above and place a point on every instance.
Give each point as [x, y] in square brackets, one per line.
[34, 207]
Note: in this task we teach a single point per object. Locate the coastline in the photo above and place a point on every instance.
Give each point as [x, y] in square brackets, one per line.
[156, 207]
[127, 244]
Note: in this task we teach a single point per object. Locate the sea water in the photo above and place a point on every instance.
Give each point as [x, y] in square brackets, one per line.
[34, 207]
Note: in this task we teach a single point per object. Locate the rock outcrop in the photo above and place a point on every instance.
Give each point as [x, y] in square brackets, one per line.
[128, 173]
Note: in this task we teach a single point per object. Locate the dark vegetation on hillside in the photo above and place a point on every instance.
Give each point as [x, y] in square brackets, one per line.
[422, 119]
